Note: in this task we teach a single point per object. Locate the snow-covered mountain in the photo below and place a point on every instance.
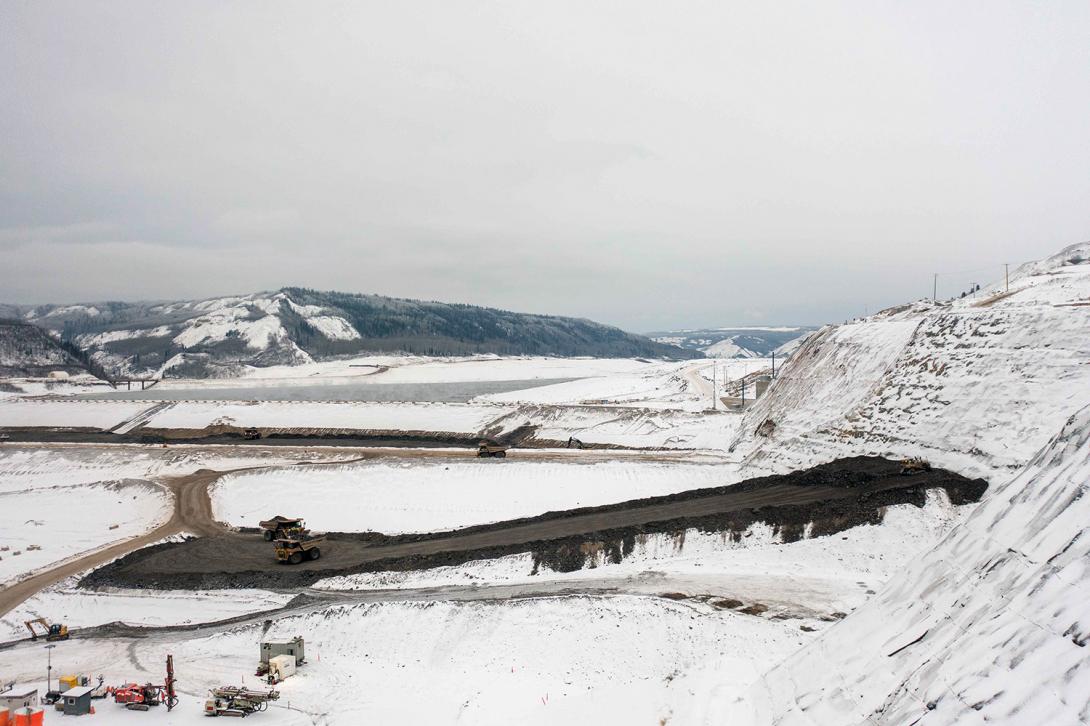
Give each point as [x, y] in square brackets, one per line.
[294, 326]
[741, 342]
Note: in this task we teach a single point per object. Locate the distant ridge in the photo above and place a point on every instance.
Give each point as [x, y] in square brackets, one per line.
[740, 342]
[217, 337]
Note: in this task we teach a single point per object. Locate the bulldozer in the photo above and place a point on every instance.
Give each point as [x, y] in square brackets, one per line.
[50, 631]
[914, 465]
[297, 549]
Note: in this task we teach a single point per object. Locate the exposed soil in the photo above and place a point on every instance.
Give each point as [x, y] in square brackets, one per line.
[819, 501]
[522, 437]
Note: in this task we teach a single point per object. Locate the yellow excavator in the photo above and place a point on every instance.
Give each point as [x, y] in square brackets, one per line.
[50, 631]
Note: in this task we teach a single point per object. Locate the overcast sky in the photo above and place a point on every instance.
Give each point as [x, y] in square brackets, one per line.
[647, 164]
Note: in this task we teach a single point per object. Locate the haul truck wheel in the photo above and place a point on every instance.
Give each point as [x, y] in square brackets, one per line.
[296, 558]
[315, 553]
[268, 536]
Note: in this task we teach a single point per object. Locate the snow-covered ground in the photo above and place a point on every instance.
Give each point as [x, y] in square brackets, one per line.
[65, 603]
[451, 417]
[61, 413]
[607, 660]
[25, 467]
[632, 426]
[396, 498]
[45, 526]
[620, 426]
[667, 386]
[624, 402]
[418, 369]
[20, 387]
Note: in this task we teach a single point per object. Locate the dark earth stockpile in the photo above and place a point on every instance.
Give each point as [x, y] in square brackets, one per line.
[828, 498]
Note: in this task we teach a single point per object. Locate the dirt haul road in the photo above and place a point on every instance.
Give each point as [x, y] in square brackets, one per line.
[192, 513]
[823, 500]
[193, 508]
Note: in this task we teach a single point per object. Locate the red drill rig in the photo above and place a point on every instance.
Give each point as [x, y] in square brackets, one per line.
[138, 697]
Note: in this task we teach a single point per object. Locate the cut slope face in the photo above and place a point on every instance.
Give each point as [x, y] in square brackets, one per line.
[990, 626]
[977, 384]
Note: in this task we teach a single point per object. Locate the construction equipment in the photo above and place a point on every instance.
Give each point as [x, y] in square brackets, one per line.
[50, 631]
[282, 528]
[281, 667]
[295, 550]
[137, 697]
[251, 434]
[486, 450]
[236, 701]
[914, 465]
[168, 685]
[281, 658]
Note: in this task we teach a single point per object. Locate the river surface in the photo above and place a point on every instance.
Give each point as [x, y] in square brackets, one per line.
[447, 392]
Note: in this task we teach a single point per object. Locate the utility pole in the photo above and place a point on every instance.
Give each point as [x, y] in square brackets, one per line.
[935, 289]
[773, 364]
[1007, 277]
[49, 668]
[714, 407]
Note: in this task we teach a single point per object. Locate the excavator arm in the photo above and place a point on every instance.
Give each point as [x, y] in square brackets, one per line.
[37, 621]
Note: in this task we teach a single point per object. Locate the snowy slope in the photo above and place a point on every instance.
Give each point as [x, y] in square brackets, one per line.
[977, 384]
[990, 626]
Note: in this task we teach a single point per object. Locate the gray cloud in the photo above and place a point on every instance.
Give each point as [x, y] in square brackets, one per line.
[646, 164]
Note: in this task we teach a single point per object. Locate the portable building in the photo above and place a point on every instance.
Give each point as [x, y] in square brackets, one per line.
[293, 647]
[19, 697]
[77, 701]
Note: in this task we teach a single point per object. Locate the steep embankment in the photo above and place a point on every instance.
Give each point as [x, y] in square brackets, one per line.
[990, 626]
[26, 350]
[294, 326]
[977, 384]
